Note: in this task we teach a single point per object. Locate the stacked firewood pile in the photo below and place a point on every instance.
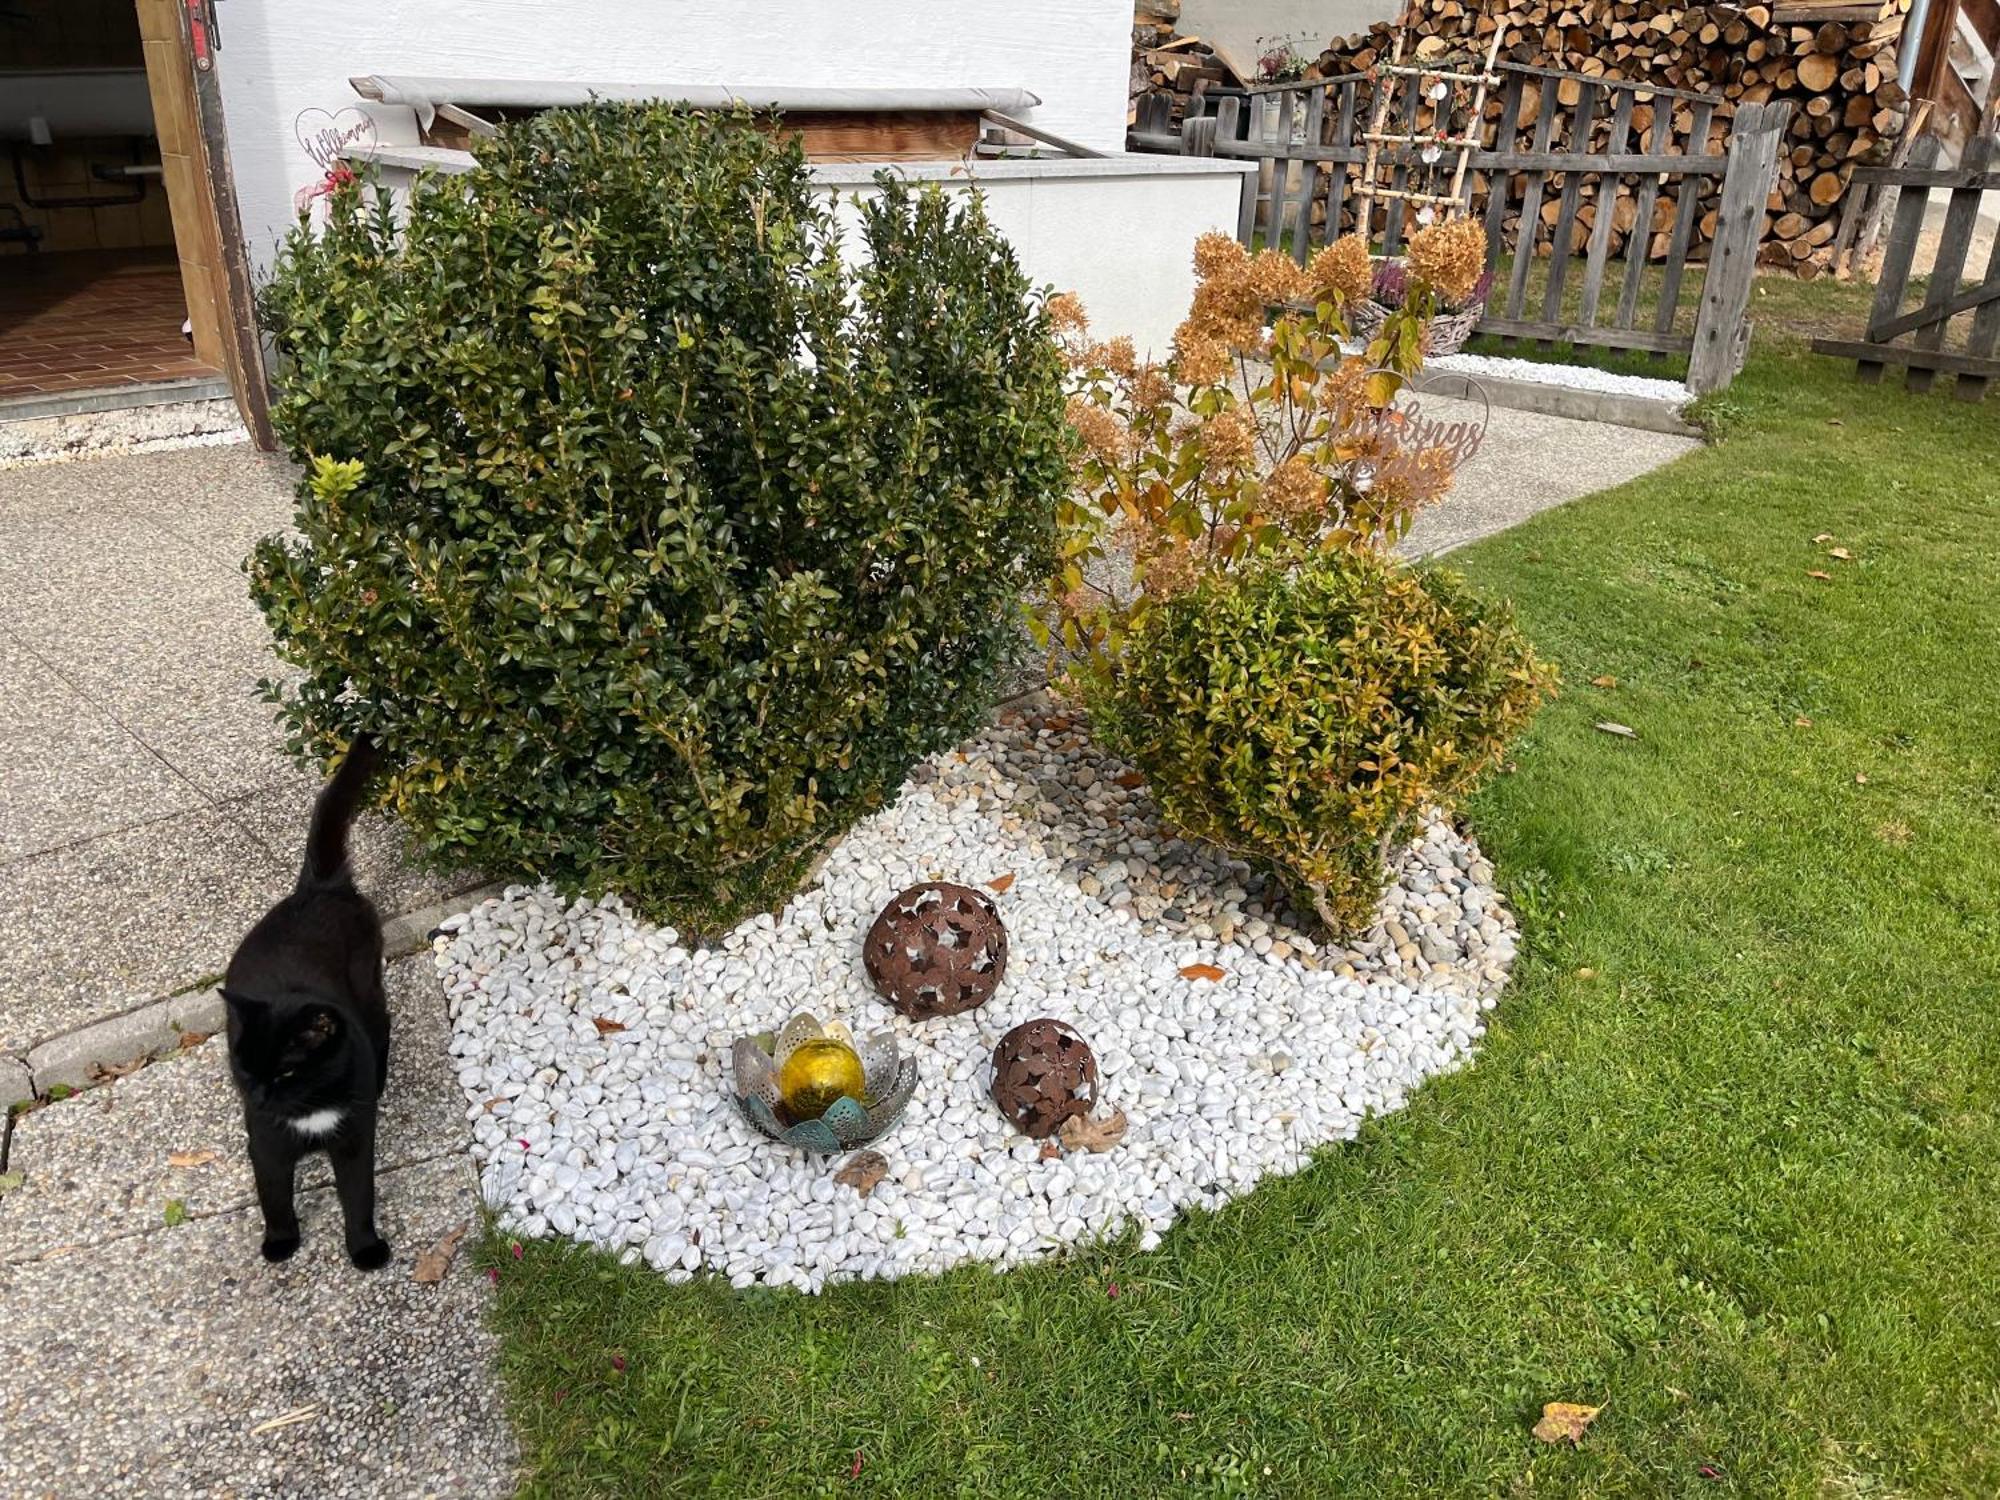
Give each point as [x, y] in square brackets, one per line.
[1836, 64]
[1165, 63]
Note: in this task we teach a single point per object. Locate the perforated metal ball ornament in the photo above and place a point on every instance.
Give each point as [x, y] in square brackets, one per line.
[1043, 1074]
[937, 950]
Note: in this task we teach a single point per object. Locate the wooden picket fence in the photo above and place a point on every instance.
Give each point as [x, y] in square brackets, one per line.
[1929, 328]
[1612, 142]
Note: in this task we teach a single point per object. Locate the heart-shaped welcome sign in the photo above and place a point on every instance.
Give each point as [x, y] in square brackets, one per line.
[327, 136]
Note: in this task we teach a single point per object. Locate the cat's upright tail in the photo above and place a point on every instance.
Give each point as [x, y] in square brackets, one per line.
[333, 814]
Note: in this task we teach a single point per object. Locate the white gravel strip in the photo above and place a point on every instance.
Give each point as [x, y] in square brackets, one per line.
[628, 1139]
[1577, 377]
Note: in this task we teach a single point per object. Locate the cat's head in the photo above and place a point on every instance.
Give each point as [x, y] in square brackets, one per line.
[284, 1050]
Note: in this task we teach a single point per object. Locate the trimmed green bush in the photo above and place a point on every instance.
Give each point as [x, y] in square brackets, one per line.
[1301, 718]
[654, 544]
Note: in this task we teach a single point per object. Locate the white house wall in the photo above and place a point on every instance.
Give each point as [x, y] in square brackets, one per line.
[284, 64]
[1119, 234]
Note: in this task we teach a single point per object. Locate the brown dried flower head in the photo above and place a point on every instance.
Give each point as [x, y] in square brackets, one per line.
[1296, 489]
[1216, 252]
[1342, 271]
[1200, 359]
[1066, 315]
[1229, 440]
[1104, 436]
[1274, 277]
[1116, 355]
[1449, 256]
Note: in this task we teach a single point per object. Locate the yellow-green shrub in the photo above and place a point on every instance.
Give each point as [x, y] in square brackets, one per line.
[1300, 717]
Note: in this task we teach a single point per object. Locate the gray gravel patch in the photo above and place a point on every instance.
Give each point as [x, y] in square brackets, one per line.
[98, 1167]
[146, 1366]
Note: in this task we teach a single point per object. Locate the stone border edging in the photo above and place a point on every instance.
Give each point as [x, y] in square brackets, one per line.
[67, 1060]
[1549, 399]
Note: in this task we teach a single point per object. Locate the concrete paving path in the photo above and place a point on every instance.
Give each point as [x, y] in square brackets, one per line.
[147, 816]
[1529, 463]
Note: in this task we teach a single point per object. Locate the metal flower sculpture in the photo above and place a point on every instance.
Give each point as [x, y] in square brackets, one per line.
[816, 1088]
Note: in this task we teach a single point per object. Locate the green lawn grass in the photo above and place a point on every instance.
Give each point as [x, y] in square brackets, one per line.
[1729, 1161]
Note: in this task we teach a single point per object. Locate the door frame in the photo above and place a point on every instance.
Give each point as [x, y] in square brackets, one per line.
[185, 79]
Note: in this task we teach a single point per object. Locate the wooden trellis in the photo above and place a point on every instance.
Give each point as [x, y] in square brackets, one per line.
[1650, 155]
[1413, 77]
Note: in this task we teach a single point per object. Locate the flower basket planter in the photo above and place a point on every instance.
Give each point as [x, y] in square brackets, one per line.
[1445, 334]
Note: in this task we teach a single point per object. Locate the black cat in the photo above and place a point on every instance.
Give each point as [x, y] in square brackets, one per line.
[309, 1029]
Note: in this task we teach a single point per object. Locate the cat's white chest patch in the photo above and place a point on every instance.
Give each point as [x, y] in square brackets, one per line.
[319, 1122]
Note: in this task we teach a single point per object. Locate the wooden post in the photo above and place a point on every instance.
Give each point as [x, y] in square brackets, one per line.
[1314, 124]
[1721, 335]
[1961, 216]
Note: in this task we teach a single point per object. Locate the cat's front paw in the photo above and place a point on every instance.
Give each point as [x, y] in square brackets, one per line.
[369, 1257]
[279, 1247]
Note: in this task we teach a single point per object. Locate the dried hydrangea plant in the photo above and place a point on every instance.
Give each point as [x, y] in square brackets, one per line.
[1259, 438]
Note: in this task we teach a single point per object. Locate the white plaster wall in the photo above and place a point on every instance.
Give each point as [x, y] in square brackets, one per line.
[1120, 235]
[279, 58]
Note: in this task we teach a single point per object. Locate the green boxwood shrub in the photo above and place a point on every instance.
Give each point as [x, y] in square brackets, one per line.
[1301, 717]
[653, 542]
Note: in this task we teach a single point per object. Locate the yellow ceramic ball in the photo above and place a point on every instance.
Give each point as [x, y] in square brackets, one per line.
[817, 1073]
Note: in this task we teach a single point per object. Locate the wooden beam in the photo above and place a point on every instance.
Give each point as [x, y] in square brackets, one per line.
[1899, 354]
[1580, 333]
[1036, 132]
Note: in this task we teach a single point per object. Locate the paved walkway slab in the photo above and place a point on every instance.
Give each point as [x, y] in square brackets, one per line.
[151, 1365]
[1530, 463]
[99, 927]
[100, 1166]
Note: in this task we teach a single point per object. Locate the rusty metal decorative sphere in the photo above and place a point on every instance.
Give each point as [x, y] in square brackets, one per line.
[936, 950]
[1043, 1074]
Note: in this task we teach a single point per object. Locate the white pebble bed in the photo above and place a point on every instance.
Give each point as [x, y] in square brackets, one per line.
[1577, 377]
[629, 1139]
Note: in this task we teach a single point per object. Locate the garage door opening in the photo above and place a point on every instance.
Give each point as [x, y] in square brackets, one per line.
[113, 284]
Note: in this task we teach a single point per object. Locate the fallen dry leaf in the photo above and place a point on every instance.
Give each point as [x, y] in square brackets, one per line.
[1800, 721]
[190, 1158]
[1079, 1134]
[606, 1026]
[1565, 1420]
[193, 1039]
[1050, 1151]
[291, 1418]
[495, 1102]
[1606, 681]
[1129, 779]
[1586, 973]
[1201, 971]
[1840, 552]
[1861, 778]
[862, 1171]
[1623, 731]
[1816, 573]
[434, 1262]
[1001, 883]
[1823, 538]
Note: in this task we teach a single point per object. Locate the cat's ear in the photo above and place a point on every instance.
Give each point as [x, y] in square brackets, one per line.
[244, 1008]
